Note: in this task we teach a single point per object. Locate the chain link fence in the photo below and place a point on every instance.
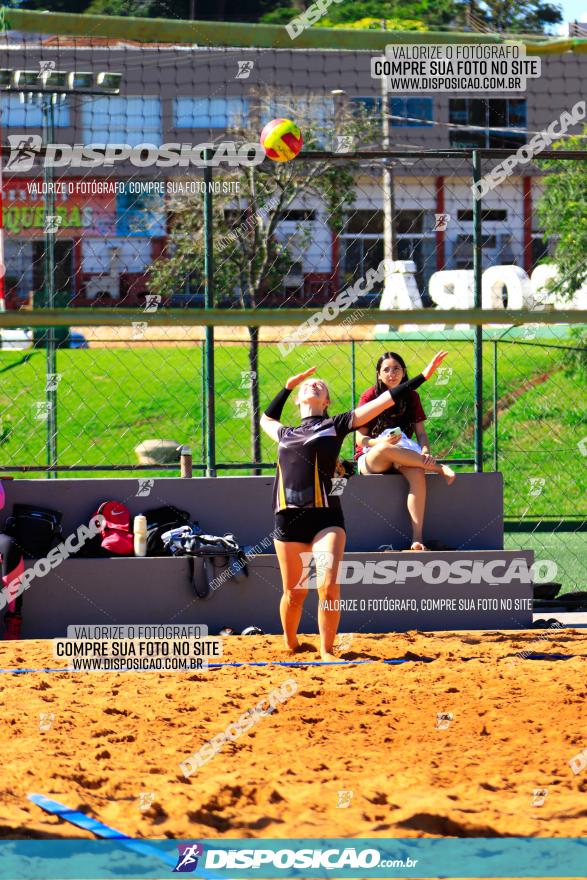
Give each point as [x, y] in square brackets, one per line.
[381, 180]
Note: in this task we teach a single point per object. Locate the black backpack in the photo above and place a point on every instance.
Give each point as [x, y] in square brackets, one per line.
[159, 521]
[35, 530]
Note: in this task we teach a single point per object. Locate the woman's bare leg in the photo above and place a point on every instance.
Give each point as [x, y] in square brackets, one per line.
[416, 500]
[292, 574]
[328, 547]
[380, 458]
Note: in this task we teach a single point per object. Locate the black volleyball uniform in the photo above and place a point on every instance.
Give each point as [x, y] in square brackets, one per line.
[307, 456]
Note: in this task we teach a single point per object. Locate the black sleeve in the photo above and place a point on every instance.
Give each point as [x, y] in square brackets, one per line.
[410, 385]
[343, 423]
[275, 408]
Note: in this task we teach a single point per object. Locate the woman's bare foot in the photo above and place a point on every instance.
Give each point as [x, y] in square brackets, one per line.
[292, 647]
[418, 545]
[327, 657]
[448, 473]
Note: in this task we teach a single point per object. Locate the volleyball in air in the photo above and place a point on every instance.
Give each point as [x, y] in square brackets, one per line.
[282, 140]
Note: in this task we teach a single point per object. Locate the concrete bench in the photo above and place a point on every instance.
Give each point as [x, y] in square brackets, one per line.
[466, 517]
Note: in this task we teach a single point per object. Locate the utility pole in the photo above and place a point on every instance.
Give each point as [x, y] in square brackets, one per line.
[389, 232]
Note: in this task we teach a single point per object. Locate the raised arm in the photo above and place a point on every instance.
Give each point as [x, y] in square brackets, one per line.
[270, 419]
[366, 412]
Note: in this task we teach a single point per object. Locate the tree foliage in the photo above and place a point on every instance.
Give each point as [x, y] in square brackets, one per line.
[562, 211]
[250, 258]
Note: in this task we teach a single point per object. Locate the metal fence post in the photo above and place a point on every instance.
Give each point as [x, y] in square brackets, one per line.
[495, 399]
[353, 374]
[478, 344]
[208, 304]
[47, 106]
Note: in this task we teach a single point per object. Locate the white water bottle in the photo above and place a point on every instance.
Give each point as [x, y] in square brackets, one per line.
[140, 535]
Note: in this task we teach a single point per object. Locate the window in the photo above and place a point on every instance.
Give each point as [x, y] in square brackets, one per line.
[30, 115]
[488, 214]
[369, 104]
[364, 223]
[413, 112]
[209, 112]
[297, 216]
[491, 114]
[131, 121]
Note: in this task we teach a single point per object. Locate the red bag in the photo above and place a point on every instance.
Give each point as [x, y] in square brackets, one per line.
[117, 536]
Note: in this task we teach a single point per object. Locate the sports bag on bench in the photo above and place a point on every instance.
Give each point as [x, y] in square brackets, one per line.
[159, 521]
[216, 551]
[36, 530]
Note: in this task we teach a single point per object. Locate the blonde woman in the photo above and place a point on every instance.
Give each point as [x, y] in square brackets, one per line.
[308, 519]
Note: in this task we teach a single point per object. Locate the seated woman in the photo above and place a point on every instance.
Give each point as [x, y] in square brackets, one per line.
[379, 452]
[12, 568]
[308, 515]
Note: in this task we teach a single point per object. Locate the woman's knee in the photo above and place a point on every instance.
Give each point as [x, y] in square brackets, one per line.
[414, 475]
[295, 596]
[329, 590]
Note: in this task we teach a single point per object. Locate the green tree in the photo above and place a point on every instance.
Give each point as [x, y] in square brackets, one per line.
[134, 8]
[515, 16]
[562, 210]
[373, 12]
[250, 260]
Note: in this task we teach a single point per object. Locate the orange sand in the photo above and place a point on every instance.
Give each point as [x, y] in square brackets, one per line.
[367, 729]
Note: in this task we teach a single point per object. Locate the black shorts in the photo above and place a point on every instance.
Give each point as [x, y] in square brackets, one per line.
[297, 524]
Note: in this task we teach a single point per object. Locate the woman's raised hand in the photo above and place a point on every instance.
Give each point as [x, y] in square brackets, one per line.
[297, 380]
[434, 364]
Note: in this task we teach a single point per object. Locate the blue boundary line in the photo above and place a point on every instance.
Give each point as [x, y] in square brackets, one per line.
[299, 663]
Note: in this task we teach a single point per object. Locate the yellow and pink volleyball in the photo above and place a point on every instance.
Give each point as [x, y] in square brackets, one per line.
[282, 140]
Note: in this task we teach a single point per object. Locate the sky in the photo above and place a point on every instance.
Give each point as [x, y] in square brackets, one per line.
[573, 10]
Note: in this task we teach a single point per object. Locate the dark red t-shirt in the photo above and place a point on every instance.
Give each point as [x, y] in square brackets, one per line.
[404, 414]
